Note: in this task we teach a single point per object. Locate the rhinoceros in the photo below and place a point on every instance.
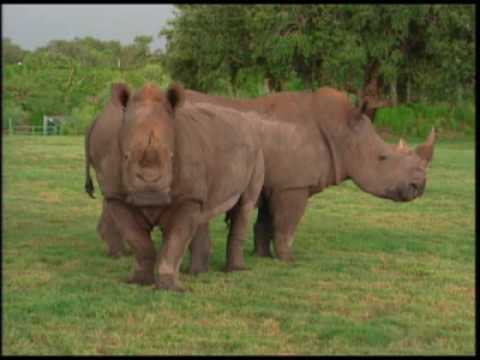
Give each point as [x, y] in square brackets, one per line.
[320, 140]
[159, 161]
[330, 141]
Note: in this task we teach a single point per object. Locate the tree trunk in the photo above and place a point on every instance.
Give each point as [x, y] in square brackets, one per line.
[393, 92]
[371, 82]
[372, 89]
[274, 85]
[408, 91]
[233, 79]
[266, 85]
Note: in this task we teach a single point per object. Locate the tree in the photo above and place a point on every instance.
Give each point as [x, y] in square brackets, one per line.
[207, 44]
[385, 53]
[74, 77]
[12, 53]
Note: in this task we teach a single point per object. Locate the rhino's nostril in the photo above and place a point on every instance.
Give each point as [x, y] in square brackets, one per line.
[148, 176]
[416, 189]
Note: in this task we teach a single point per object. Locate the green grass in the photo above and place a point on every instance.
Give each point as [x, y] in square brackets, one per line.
[371, 277]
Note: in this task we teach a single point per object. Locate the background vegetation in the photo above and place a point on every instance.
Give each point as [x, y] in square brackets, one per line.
[371, 276]
[416, 60]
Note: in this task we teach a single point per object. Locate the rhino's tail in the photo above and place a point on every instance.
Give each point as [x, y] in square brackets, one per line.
[228, 217]
[89, 188]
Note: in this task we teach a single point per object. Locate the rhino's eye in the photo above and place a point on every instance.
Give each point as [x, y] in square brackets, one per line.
[382, 157]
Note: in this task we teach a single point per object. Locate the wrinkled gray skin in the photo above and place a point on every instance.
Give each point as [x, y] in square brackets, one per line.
[322, 140]
[319, 140]
[161, 162]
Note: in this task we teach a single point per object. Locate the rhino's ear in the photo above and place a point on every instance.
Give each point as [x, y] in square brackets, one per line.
[357, 114]
[425, 150]
[176, 96]
[120, 94]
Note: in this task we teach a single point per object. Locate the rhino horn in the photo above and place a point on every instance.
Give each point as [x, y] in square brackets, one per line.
[402, 145]
[425, 150]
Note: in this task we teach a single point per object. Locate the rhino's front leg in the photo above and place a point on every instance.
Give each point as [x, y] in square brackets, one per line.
[200, 249]
[178, 234]
[287, 207]
[137, 233]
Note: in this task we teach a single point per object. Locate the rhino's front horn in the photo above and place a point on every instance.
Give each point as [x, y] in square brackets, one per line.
[402, 145]
[425, 150]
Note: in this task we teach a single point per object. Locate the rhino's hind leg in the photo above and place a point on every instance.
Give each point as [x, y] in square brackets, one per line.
[263, 230]
[288, 207]
[108, 232]
[137, 234]
[239, 218]
[200, 249]
[240, 215]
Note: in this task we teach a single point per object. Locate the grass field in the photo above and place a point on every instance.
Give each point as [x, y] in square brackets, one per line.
[371, 277]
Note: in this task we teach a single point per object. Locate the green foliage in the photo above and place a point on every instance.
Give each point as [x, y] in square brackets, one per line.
[250, 84]
[11, 52]
[13, 112]
[80, 119]
[408, 54]
[464, 115]
[73, 78]
[371, 276]
[422, 51]
[417, 119]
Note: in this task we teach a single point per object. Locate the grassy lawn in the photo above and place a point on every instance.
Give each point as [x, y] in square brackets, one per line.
[371, 277]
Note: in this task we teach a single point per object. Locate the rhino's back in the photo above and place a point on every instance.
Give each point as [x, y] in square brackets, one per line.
[294, 151]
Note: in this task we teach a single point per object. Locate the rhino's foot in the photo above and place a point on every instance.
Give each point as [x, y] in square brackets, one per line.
[141, 277]
[236, 267]
[286, 256]
[168, 282]
[198, 269]
[262, 252]
[115, 254]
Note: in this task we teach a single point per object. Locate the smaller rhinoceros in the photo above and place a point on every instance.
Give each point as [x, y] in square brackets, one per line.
[161, 162]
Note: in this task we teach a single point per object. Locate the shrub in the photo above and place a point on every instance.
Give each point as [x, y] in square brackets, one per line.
[79, 120]
[417, 119]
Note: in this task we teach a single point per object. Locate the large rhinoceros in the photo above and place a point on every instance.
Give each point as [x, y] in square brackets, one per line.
[330, 141]
[161, 162]
[320, 140]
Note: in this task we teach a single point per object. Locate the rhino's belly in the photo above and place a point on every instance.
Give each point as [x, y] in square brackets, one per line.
[292, 158]
[219, 208]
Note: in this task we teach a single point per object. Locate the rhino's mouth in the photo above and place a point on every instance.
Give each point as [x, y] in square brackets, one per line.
[406, 193]
[149, 199]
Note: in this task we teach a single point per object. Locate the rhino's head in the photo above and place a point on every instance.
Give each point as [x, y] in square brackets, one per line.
[389, 171]
[147, 143]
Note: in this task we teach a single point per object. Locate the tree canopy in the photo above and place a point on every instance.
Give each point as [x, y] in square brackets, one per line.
[389, 54]
[73, 77]
[400, 52]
